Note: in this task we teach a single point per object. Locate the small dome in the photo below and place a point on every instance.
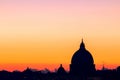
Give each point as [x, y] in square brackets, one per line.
[61, 70]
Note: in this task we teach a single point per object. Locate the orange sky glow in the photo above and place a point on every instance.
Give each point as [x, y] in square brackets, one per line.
[43, 34]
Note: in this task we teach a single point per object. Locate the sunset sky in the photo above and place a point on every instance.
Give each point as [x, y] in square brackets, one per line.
[45, 33]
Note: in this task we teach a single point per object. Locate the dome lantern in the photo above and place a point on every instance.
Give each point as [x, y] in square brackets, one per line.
[82, 45]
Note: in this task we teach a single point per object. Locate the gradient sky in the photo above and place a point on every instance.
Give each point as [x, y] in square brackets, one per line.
[50, 31]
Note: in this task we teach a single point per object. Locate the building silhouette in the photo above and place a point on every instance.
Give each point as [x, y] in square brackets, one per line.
[82, 62]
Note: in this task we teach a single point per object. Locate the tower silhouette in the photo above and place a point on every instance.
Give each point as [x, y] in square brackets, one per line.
[82, 62]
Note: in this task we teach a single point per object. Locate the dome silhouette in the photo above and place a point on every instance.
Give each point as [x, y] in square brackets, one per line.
[61, 70]
[82, 61]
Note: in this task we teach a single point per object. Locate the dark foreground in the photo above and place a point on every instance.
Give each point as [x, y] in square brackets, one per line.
[30, 74]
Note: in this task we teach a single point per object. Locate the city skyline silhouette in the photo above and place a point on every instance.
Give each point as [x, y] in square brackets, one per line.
[82, 67]
[82, 47]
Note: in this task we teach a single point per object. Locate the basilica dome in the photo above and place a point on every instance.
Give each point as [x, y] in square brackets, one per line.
[82, 62]
[82, 56]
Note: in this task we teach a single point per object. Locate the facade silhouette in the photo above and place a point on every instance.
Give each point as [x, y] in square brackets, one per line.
[82, 62]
